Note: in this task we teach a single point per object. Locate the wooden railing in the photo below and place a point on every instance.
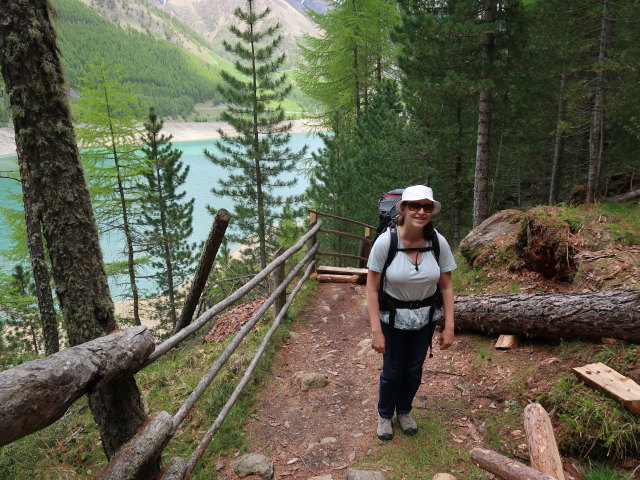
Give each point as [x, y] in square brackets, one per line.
[35, 394]
[365, 241]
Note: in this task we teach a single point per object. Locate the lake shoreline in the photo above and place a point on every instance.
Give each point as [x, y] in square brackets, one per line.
[181, 131]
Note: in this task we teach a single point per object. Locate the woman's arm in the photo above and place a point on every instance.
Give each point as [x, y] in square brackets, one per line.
[373, 285]
[446, 286]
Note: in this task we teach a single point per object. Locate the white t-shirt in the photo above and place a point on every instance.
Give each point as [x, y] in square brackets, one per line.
[404, 282]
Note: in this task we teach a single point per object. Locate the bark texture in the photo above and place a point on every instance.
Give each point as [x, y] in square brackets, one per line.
[483, 145]
[209, 252]
[132, 460]
[46, 142]
[41, 276]
[37, 393]
[505, 467]
[589, 316]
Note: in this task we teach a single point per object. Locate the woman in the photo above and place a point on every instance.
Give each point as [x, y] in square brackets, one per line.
[402, 329]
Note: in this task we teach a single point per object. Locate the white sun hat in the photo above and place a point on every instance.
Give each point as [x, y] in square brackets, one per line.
[420, 192]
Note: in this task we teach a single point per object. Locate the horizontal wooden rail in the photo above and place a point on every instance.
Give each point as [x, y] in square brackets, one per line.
[355, 222]
[197, 454]
[341, 255]
[204, 383]
[203, 319]
[345, 234]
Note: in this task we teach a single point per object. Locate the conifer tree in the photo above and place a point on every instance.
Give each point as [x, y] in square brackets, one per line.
[109, 134]
[343, 66]
[259, 156]
[166, 216]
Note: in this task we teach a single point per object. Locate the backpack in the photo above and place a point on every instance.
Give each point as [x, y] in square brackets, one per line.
[387, 210]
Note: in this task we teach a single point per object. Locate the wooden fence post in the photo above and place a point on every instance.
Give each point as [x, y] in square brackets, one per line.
[313, 219]
[209, 252]
[365, 248]
[277, 277]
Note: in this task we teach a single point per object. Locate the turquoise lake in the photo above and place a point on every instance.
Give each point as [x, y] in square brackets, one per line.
[203, 175]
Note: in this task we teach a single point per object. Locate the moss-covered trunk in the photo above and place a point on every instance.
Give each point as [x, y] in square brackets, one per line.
[46, 143]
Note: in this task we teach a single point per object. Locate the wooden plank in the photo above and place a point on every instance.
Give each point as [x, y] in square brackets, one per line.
[543, 450]
[611, 341]
[342, 270]
[606, 379]
[443, 476]
[338, 278]
[505, 342]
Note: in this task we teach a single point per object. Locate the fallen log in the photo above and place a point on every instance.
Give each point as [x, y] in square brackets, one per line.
[589, 316]
[326, 277]
[505, 467]
[37, 393]
[543, 449]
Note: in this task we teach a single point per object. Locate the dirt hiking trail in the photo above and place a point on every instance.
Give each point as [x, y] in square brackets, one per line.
[327, 429]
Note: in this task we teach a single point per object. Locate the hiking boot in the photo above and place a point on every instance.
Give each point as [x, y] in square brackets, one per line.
[408, 424]
[385, 428]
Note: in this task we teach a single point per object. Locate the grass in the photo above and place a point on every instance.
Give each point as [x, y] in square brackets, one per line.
[164, 385]
[423, 455]
[622, 222]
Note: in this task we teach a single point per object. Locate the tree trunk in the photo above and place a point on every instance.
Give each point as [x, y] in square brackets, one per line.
[589, 316]
[483, 144]
[558, 149]
[45, 139]
[458, 202]
[596, 133]
[39, 267]
[209, 252]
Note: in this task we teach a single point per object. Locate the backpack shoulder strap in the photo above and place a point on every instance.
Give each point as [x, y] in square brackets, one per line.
[435, 246]
[393, 250]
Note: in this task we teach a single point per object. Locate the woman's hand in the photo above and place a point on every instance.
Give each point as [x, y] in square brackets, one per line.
[377, 341]
[446, 338]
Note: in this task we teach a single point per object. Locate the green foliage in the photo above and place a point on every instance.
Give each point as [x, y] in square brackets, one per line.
[167, 218]
[173, 84]
[19, 326]
[256, 159]
[343, 67]
[590, 423]
[109, 133]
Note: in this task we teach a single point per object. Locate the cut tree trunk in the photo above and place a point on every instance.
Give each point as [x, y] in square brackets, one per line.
[505, 467]
[589, 316]
[543, 450]
[209, 252]
[37, 393]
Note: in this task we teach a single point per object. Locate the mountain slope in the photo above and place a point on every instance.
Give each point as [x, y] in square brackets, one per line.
[167, 75]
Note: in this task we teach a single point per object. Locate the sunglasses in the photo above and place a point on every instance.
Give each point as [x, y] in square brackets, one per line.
[416, 207]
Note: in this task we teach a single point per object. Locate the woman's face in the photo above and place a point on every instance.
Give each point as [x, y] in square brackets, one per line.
[418, 212]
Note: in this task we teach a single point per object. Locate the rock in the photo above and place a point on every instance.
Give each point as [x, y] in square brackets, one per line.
[309, 380]
[312, 445]
[364, 475]
[502, 223]
[254, 464]
[328, 356]
[328, 440]
[322, 477]
[294, 335]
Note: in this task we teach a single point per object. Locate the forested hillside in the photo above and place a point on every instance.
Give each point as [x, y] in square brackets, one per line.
[495, 105]
[167, 75]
